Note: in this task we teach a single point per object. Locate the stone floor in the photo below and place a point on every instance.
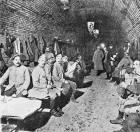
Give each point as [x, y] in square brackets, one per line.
[96, 107]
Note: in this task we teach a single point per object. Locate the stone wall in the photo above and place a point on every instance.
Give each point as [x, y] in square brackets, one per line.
[46, 18]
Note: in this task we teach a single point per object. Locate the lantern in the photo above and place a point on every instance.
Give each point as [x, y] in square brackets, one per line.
[65, 4]
[96, 33]
[90, 27]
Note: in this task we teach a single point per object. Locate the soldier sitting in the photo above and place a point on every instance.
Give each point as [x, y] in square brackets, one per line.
[69, 73]
[59, 78]
[42, 90]
[131, 123]
[125, 63]
[19, 78]
[80, 71]
[76, 70]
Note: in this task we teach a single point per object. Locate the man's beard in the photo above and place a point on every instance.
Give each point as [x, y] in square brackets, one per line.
[18, 64]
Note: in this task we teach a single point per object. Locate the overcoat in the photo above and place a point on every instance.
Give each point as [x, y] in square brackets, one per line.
[98, 59]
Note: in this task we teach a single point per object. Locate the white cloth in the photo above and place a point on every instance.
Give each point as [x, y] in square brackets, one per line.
[19, 108]
[70, 70]
[17, 46]
[129, 79]
[133, 109]
[56, 48]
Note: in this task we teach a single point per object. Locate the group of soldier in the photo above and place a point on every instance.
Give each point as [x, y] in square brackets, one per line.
[126, 74]
[51, 79]
[55, 76]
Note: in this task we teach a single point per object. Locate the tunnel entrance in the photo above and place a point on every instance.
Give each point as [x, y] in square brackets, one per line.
[117, 21]
[110, 31]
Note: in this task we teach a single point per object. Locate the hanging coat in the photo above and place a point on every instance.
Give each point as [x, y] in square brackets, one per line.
[35, 50]
[29, 51]
[98, 60]
[40, 44]
[4, 56]
[17, 46]
[2, 63]
[25, 52]
[56, 48]
[9, 48]
[44, 44]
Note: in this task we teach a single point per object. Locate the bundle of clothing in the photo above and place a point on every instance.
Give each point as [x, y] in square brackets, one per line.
[32, 47]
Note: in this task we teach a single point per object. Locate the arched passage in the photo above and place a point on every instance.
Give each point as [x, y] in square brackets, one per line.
[118, 20]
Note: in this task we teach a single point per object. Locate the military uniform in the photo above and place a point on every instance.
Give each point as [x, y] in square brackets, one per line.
[129, 92]
[19, 78]
[48, 71]
[59, 80]
[131, 105]
[40, 89]
[98, 58]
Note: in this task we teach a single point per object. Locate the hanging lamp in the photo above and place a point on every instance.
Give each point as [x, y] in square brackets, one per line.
[65, 4]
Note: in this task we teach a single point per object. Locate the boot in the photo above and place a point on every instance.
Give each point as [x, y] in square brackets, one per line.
[119, 119]
[112, 80]
[73, 98]
[58, 105]
[52, 107]
[98, 72]
[60, 110]
[108, 76]
[118, 81]
[55, 113]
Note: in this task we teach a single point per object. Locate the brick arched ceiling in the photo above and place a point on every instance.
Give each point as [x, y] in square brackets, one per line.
[24, 16]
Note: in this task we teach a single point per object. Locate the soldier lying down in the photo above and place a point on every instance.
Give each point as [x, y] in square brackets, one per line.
[129, 94]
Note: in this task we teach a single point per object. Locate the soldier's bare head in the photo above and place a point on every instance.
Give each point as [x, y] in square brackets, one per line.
[59, 58]
[102, 45]
[65, 59]
[16, 60]
[98, 47]
[42, 60]
[136, 64]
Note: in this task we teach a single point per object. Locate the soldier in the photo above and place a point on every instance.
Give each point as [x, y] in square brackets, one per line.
[131, 123]
[19, 78]
[129, 92]
[41, 89]
[124, 64]
[59, 79]
[98, 58]
[107, 62]
[48, 68]
[48, 53]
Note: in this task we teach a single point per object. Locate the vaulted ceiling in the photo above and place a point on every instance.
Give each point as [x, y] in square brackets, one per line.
[111, 16]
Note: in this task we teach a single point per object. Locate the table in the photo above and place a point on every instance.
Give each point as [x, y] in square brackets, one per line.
[18, 108]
